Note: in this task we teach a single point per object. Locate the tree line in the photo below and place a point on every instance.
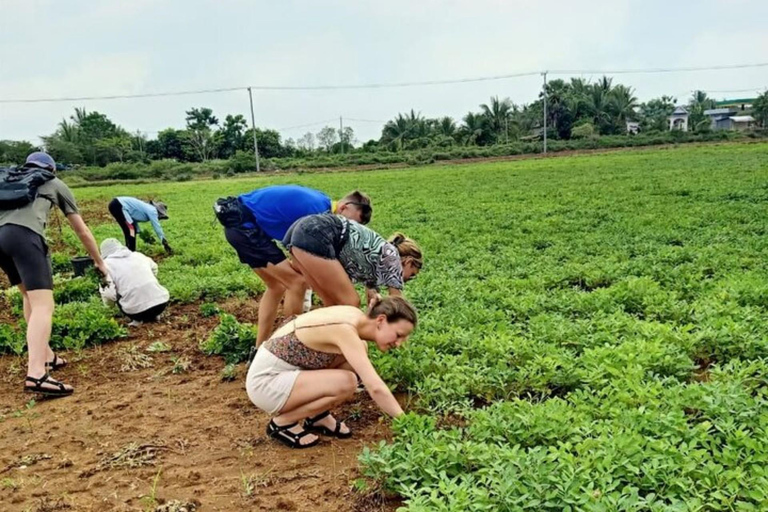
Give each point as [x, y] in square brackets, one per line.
[576, 108]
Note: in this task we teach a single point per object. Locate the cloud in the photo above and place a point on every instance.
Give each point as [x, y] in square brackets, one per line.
[143, 46]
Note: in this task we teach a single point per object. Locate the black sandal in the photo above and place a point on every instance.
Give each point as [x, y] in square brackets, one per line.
[56, 364]
[288, 438]
[309, 425]
[40, 390]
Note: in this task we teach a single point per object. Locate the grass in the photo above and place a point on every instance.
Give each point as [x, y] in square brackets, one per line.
[591, 331]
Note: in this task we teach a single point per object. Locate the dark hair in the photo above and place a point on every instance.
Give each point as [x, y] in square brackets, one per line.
[394, 308]
[407, 248]
[362, 201]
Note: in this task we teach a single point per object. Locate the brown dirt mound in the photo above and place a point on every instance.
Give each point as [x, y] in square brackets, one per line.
[152, 439]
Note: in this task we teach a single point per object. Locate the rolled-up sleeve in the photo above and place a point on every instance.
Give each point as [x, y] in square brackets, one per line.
[65, 200]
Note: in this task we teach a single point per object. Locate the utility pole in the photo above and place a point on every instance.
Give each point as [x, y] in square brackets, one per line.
[545, 112]
[341, 134]
[253, 126]
[506, 127]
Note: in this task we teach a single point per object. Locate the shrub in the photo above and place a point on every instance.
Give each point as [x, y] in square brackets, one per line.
[583, 131]
[231, 340]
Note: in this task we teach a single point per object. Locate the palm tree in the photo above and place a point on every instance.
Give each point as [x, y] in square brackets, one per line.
[472, 131]
[497, 115]
[698, 103]
[598, 105]
[69, 132]
[402, 129]
[623, 105]
[446, 126]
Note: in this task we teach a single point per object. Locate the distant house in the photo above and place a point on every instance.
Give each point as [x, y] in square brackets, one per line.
[720, 118]
[726, 118]
[679, 119]
[742, 122]
[633, 127]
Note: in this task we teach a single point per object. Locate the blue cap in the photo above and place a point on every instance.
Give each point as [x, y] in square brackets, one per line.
[42, 160]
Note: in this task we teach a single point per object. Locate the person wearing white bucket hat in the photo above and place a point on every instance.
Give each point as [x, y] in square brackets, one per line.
[133, 283]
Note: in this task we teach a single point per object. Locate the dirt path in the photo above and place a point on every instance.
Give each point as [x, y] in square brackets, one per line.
[135, 439]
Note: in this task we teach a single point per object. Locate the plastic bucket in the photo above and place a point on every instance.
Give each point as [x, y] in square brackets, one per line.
[81, 264]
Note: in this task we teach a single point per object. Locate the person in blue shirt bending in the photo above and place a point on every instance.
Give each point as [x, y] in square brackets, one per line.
[129, 211]
[263, 216]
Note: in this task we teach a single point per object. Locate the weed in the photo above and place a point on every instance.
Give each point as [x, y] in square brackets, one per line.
[158, 346]
[134, 359]
[180, 364]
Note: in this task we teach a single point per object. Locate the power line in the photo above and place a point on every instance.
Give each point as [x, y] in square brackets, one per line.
[654, 70]
[126, 96]
[382, 85]
[364, 120]
[305, 125]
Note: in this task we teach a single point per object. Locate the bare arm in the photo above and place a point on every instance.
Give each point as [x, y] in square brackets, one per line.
[354, 351]
[394, 292]
[372, 297]
[86, 237]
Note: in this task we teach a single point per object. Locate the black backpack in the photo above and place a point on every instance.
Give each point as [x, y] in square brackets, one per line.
[18, 187]
[229, 211]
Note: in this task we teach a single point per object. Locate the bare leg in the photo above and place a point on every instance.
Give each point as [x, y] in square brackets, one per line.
[295, 286]
[314, 392]
[27, 307]
[327, 278]
[39, 333]
[281, 280]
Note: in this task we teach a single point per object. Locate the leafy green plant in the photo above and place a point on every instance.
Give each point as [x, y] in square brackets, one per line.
[80, 324]
[12, 341]
[231, 340]
[208, 309]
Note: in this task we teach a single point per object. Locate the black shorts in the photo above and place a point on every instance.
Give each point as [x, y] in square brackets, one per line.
[322, 235]
[24, 258]
[254, 247]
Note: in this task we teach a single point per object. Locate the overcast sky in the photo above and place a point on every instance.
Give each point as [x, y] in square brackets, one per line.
[60, 48]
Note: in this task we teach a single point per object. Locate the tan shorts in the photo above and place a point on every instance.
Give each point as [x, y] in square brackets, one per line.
[270, 381]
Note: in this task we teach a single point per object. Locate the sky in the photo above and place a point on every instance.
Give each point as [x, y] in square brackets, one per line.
[66, 48]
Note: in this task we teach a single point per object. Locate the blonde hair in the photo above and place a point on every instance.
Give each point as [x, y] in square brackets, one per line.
[394, 308]
[407, 248]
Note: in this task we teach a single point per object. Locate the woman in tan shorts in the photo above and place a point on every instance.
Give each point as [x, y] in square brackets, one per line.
[312, 363]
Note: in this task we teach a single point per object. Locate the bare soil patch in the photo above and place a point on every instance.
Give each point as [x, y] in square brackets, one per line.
[152, 439]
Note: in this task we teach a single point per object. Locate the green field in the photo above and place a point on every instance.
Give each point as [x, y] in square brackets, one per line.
[592, 328]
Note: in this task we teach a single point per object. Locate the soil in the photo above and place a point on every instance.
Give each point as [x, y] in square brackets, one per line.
[152, 439]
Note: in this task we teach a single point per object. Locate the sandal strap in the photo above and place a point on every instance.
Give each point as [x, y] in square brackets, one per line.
[277, 428]
[319, 417]
[45, 379]
[294, 438]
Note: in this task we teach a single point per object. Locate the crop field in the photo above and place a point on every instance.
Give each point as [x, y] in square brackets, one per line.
[592, 337]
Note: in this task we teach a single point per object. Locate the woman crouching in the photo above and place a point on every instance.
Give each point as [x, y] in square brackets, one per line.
[312, 362]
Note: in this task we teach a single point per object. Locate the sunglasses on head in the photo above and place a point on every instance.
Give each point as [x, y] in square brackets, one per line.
[364, 207]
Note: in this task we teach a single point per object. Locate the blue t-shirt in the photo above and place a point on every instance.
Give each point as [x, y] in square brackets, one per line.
[277, 207]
